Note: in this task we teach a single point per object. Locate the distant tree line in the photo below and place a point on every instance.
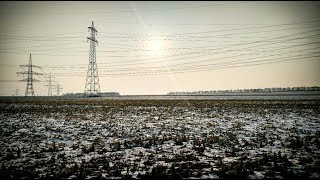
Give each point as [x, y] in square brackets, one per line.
[286, 89]
[102, 94]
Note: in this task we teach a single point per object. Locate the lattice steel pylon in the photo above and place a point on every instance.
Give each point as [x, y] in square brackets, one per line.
[58, 89]
[29, 79]
[92, 86]
[16, 92]
[49, 85]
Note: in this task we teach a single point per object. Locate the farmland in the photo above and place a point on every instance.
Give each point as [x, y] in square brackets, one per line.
[169, 138]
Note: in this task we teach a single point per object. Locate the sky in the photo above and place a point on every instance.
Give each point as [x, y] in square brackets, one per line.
[157, 47]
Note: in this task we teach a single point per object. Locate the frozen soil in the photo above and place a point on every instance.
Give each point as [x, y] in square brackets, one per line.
[142, 139]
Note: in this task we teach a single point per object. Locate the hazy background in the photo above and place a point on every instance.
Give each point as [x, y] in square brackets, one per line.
[182, 42]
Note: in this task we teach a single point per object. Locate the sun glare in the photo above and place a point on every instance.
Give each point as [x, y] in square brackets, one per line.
[155, 47]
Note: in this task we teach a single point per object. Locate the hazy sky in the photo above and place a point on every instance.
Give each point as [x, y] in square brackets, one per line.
[158, 47]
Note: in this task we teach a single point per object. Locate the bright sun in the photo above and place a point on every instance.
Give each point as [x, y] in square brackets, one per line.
[156, 44]
[154, 47]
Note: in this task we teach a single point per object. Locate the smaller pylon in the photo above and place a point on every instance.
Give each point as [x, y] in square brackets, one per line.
[50, 84]
[16, 92]
[29, 79]
[58, 89]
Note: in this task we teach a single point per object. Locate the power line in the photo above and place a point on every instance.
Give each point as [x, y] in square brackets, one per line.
[269, 61]
[165, 68]
[228, 62]
[224, 30]
[201, 61]
[168, 39]
[226, 57]
[56, 50]
[238, 61]
[52, 50]
[46, 45]
[191, 24]
[8, 80]
[207, 50]
[54, 37]
[233, 45]
[261, 41]
[206, 68]
[275, 38]
[125, 50]
[127, 11]
[217, 52]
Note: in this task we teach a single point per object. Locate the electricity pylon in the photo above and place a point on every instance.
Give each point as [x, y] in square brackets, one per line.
[49, 85]
[16, 92]
[92, 86]
[30, 73]
[58, 89]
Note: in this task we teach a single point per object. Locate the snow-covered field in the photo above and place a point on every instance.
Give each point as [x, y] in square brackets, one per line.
[136, 139]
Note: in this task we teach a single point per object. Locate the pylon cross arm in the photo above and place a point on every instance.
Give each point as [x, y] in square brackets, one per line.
[92, 39]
